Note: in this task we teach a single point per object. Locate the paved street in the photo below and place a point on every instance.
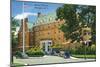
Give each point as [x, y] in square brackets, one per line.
[49, 60]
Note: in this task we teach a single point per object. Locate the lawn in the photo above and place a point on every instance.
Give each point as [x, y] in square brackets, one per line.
[83, 56]
[17, 65]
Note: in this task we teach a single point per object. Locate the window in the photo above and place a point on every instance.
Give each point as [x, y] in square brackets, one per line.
[89, 33]
[59, 38]
[59, 31]
[49, 42]
[48, 32]
[85, 33]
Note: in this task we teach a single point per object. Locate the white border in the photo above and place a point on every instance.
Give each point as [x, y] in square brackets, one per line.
[86, 2]
[5, 33]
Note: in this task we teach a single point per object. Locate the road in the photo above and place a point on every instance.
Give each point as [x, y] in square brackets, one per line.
[49, 60]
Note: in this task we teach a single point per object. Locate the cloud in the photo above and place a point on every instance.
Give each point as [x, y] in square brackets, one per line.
[24, 15]
[17, 29]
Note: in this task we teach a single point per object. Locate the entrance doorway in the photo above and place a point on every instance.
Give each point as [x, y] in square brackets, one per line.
[45, 45]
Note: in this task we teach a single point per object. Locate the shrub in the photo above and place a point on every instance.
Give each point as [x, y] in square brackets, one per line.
[56, 46]
[35, 52]
[18, 54]
[78, 48]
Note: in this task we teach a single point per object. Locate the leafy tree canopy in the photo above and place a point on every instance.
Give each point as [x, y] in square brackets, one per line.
[76, 17]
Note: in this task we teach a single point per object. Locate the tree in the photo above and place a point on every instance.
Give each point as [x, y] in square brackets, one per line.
[14, 24]
[71, 26]
[76, 17]
[88, 17]
[14, 39]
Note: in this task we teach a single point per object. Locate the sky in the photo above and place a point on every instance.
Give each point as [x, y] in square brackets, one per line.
[31, 9]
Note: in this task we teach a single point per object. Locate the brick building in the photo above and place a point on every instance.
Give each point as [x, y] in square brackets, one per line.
[20, 34]
[44, 33]
[49, 31]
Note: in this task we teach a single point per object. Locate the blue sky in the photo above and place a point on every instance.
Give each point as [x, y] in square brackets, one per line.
[33, 7]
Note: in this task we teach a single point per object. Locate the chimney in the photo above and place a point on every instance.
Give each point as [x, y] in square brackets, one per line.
[25, 19]
[25, 24]
[39, 14]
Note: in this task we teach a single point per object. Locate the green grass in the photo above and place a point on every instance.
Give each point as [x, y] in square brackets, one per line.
[16, 65]
[83, 56]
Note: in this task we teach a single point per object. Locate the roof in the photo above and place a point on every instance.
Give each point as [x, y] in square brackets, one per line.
[45, 19]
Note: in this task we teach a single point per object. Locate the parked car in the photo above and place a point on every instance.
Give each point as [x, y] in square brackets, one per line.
[66, 54]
